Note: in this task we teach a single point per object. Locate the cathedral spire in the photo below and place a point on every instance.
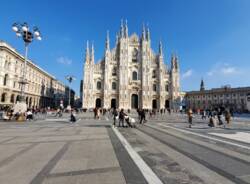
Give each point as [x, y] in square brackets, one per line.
[160, 49]
[126, 29]
[92, 58]
[174, 62]
[122, 29]
[148, 34]
[202, 86]
[143, 32]
[87, 53]
[107, 42]
[117, 39]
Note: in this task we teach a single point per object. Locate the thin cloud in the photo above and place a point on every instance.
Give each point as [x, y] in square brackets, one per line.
[187, 74]
[229, 70]
[223, 69]
[64, 61]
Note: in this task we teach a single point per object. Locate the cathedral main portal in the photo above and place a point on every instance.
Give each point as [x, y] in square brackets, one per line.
[134, 101]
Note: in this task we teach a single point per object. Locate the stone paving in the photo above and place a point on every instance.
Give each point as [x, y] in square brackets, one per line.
[54, 151]
[48, 152]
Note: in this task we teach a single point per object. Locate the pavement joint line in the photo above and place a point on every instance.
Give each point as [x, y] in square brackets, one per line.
[147, 172]
[79, 140]
[15, 155]
[234, 156]
[83, 172]
[10, 139]
[207, 164]
[130, 171]
[208, 137]
[39, 178]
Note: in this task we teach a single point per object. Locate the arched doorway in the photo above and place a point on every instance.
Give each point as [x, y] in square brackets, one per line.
[12, 98]
[30, 102]
[154, 104]
[98, 103]
[18, 98]
[134, 101]
[166, 104]
[113, 103]
[3, 97]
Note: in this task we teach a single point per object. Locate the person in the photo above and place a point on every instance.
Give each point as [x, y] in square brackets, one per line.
[190, 117]
[142, 116]
[203, 115]
[72, 117]
[127, 119]
[95, 112]
[115, 114]
[29, 115]
[219, 113]
[98, 111]
[227, 116]
[121, 118]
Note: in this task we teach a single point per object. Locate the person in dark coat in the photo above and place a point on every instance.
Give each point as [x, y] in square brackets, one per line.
[115, 114]
[122, 114]
[142, 116]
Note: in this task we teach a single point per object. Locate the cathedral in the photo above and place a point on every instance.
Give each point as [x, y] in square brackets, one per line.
[131, 75]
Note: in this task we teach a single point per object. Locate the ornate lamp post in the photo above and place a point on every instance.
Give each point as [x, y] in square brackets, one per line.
[70, 79]
[23, 30]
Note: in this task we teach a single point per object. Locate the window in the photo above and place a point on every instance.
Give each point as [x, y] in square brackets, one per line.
[134, 55]
[6, 64]
[99, 85]
[154, 87]
[166, 87]
[5, 79]
[134, 75]
[114, 85]
[114, 71]
[12, 98]
[3, 97]
[153, 74]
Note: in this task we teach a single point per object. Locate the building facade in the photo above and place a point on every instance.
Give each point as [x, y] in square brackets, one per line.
[42, 89]
[130, 75]
[237, 99]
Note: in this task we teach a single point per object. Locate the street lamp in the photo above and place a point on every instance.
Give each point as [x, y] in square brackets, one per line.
[23, 30]
[70, 79]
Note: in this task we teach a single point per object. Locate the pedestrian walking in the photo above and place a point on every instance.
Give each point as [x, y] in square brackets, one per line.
[142, 117]
[72, 117]
[115, 115]
[203, 115]
[219, 114]
[121, 118]
[227, 117]
[190, 117]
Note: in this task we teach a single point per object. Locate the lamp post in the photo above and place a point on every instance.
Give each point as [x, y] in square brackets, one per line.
[70, 79]
[23, 30]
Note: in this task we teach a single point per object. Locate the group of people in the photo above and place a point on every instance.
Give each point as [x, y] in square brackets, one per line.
[122, 117]
[212, 115]
[11, 115]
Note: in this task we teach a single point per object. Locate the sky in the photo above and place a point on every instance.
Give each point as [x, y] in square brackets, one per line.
[210, 37]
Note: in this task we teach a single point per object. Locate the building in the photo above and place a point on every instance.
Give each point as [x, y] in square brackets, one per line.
[130, 75]
[237, 99]
[42, 90]
[69, 94]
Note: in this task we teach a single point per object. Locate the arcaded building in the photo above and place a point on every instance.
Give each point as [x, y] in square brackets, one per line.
[42, 89]
[237, 99]
[131, 75]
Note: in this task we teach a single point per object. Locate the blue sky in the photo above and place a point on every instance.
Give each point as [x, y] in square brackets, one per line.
[211, 37]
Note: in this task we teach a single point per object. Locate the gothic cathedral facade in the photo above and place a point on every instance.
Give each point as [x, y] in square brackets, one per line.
[130, 75]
